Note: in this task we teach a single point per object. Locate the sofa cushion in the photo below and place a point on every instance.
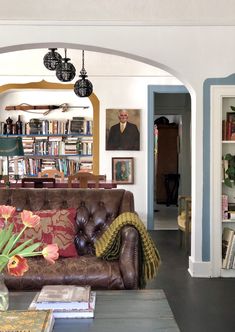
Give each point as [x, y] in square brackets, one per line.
[57, 226]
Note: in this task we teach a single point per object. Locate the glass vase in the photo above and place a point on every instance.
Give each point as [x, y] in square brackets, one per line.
[4, 294]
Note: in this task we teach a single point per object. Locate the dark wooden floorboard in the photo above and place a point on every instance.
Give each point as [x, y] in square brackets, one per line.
[198, 304]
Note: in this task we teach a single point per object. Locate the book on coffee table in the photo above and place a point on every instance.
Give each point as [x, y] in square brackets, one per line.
[61, 296]
[30, 320]
[66, 311]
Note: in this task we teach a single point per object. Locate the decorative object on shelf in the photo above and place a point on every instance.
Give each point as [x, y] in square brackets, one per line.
[8, 126]
[10, 147]
[14, 256]
[19, 126]
[35, 108]
[83, 87]
[123, 170]
[229, 169]
[52, 59]
[65, 71]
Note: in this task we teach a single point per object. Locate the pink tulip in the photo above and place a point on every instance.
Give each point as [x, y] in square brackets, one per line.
[50, 252]
[6, 211]
[29, 219]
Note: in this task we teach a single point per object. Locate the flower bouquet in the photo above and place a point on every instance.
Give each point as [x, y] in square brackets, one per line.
[14, 254]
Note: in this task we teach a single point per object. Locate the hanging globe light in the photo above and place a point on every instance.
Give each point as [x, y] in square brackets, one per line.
[83, 87]
[65, 71]
[52, 59]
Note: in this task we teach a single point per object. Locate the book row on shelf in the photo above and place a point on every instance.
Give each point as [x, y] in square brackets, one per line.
[57, 145]
[76, 125]
[228, 127]
[228, 209]
[32, 166]
[228, 248]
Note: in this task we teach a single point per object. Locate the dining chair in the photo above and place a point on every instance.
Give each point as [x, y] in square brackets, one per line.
[184, 221]
[84, 178]
[53, 173]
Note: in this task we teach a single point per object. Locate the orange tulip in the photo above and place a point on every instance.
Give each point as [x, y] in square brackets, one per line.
[6, 211]
[17, 265]
[50, 252]
[29, 219]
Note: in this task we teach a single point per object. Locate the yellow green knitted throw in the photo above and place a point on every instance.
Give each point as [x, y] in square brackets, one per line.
[108, 245]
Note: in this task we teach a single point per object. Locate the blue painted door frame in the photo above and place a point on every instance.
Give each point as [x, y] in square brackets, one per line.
[152, 90]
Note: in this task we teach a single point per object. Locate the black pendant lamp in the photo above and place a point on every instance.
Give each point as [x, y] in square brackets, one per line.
[65, 71]
[52, 59]
[83, 87]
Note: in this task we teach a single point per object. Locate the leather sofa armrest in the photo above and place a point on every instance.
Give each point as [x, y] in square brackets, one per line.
[129, 257]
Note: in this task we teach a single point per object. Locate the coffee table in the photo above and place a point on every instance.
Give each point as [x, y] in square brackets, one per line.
[116, 311]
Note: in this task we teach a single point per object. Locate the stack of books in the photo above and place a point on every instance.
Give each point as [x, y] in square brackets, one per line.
[66, 301]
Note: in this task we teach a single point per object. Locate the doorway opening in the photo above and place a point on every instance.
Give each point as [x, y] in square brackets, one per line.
[172, 104]
[172, 156]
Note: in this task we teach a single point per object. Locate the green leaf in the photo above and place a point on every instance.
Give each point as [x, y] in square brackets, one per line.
[29, 250]
[228, 156]
[228, 183]
[5, 236]
[19, 248]
[9, 244]
[232, 108]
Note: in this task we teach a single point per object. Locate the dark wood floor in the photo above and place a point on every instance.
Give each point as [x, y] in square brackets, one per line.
[198, 304]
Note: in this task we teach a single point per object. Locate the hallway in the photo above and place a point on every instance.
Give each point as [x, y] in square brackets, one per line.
[165, 217]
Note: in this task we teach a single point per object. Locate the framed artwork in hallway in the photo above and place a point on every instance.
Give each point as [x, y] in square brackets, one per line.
[123, 170]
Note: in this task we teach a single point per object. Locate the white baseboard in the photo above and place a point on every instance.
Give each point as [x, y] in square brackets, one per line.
[199, 269]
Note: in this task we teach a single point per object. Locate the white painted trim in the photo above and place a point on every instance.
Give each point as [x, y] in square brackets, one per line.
[217, 94]
[194, 22]
[199, 269]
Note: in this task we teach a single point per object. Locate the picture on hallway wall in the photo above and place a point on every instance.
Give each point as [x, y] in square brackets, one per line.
[122, 129]
[123, 170]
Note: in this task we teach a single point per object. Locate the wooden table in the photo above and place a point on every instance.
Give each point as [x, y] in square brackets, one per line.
[55, 183]
[116, 311]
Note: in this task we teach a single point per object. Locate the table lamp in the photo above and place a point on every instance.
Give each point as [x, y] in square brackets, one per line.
[10, 147]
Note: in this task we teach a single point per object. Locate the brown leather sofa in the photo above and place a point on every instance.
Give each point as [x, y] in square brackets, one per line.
[96, 209]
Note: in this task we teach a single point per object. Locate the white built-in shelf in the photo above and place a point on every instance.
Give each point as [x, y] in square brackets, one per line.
[228, 142]
[228, 220]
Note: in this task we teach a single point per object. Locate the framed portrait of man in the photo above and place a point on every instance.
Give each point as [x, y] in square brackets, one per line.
[122, 129]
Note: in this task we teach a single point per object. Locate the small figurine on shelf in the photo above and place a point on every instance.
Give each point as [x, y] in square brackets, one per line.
[19, 126]
[8, 127]
[79, 146]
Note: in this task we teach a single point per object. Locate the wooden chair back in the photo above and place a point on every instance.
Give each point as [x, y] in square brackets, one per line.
[184, 219]
[53, 173]
[84, 178]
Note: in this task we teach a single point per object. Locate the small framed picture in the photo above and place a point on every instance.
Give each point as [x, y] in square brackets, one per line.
[123, 170]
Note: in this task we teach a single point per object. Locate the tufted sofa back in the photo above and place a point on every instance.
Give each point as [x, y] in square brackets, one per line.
[96, 208]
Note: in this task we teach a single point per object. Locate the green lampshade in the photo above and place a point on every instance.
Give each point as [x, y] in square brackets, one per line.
[11, 146]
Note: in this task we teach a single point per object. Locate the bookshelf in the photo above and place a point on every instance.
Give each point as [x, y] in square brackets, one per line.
[222, 180]
[59, 144]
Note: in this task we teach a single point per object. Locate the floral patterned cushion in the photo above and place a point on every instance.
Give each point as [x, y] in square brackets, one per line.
[57, 226]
